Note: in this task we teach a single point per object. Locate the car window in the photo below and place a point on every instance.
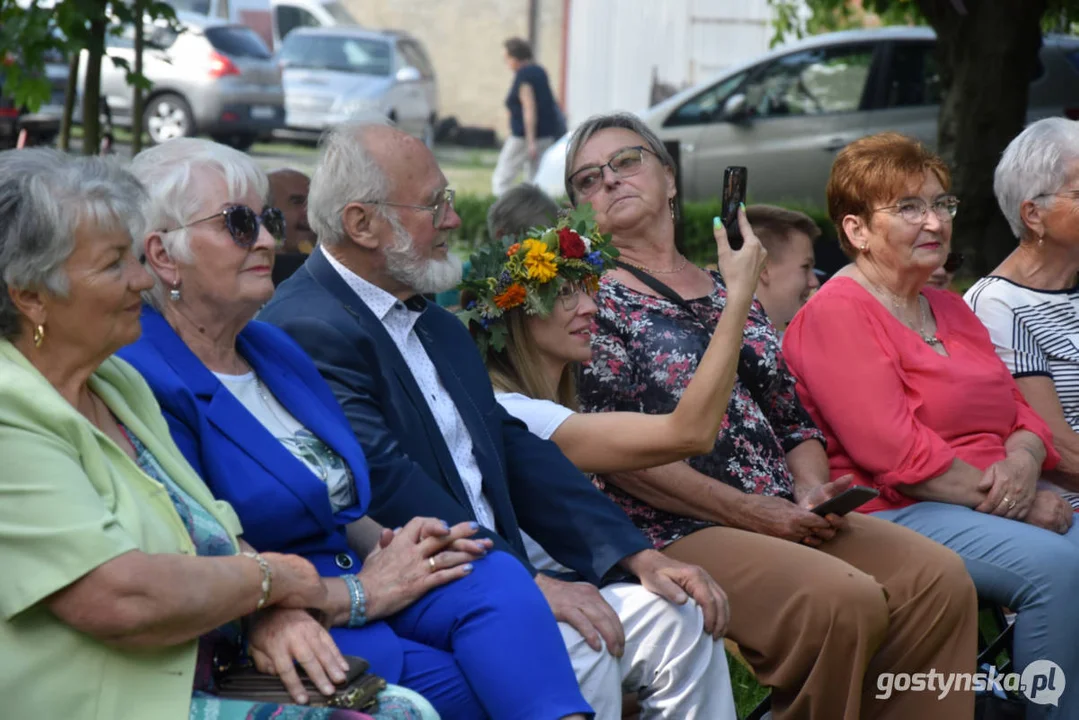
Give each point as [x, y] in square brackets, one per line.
[290, 17]
[238, 41]
[914, 79]
[706, 107]
[155, 37]
[198, 7]
[343, 54]
[813, 82]
[414, 56]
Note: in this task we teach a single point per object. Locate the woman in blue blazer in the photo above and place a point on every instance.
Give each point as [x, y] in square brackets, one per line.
[431, 608]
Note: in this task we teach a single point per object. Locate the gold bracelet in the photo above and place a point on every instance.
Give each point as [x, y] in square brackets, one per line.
[267, 577]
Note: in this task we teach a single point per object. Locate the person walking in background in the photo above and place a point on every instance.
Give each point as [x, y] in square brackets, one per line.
[535, 118]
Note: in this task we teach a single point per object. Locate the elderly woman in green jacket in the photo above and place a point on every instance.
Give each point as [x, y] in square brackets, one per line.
[122, 577]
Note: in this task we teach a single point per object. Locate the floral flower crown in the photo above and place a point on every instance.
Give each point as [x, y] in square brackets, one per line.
[529, 273]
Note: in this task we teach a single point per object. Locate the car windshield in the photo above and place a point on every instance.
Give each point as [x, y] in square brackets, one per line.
[344, 54]
[338, 12]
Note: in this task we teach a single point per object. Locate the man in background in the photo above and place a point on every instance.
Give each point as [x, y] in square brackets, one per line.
[288, 193]
[789, 277]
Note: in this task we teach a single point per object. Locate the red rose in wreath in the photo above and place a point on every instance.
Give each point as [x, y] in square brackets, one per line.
[570, 243]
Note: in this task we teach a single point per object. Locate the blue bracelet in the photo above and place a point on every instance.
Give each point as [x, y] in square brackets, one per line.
[357, 616]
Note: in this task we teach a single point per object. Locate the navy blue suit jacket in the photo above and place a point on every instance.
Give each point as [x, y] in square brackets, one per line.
[528, 481]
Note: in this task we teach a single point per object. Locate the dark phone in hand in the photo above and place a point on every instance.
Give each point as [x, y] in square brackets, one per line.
[734, 194]
[850, 499]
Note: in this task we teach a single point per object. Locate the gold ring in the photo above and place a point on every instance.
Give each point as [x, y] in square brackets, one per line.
[431, 562]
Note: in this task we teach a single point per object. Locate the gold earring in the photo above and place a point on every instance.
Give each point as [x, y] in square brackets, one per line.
[864, 247]
[39, 335]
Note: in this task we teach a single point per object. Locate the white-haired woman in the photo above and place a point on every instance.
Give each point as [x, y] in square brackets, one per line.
[428, 606]
[122, 575]
[1030, 303]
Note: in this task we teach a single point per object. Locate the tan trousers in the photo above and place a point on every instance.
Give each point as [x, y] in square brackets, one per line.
[819, 625]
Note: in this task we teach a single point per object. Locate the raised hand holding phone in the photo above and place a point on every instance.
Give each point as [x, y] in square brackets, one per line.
[741, 269]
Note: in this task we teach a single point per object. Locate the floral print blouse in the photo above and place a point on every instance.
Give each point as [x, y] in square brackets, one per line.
[645, 350]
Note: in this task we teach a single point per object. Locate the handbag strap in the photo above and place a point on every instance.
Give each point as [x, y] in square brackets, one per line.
[662, 288]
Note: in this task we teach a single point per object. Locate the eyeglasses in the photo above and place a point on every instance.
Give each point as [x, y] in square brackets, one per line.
[244, 224]
[627, 162]
[569, 295]
[439, 209]
[1071, 195]
[953, 263]
[914, 210]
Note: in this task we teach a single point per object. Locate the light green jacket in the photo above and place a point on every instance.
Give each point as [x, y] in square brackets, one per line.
[71, 500]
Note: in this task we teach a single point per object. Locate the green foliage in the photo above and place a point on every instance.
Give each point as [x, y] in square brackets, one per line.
[699, 246]
[830, 15]
[42, 30]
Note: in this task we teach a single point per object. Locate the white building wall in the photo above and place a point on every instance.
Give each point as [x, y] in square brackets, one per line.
[615, 47]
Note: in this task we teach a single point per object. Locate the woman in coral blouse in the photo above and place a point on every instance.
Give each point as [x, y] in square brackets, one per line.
[905, 384]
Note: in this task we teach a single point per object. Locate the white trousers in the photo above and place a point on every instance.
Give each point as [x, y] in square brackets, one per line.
[513, 159]
[678, 671]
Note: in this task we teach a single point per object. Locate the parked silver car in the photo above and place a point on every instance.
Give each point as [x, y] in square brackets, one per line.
[332, 73]
[786, 114]
[215, 78]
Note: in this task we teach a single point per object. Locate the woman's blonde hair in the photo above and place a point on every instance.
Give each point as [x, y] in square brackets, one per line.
[516, 368]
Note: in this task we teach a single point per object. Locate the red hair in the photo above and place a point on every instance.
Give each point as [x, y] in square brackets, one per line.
[874, 171]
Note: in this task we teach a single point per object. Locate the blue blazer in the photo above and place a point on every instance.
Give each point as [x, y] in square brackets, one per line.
[282, 505]
[528, 481]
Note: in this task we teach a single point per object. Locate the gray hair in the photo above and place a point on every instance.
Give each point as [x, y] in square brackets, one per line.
[167, 170]
[347, 172]
[623, 120]
[45, 197]
[1035, 163]
[518, 209]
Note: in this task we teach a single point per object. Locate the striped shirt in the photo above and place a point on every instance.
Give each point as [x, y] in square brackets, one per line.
[1036, 332]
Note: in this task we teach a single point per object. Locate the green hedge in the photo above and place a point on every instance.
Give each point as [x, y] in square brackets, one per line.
[697, 217]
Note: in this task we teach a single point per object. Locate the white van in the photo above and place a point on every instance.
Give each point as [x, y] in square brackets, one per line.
[291, 14]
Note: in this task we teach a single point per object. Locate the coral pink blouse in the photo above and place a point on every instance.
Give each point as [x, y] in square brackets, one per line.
[893, 410]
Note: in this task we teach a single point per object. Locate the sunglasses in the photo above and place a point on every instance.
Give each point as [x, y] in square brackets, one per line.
[244, 224]
[954, 262]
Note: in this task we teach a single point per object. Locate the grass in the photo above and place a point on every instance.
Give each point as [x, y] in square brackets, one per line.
[748, 693]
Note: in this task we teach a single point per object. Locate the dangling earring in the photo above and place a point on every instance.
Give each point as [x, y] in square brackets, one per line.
[1041, 240]
[174, 293]
[674, 216]
[39, 335]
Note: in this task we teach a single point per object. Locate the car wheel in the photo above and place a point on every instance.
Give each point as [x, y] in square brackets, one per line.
[168, 117]
[239, 141]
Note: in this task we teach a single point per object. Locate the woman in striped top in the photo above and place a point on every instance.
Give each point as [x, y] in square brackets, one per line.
[1030, 303]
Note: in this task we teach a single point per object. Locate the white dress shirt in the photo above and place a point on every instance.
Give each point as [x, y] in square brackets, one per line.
[400, 323]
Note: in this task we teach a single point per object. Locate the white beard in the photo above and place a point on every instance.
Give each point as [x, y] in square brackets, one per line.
[424, 276]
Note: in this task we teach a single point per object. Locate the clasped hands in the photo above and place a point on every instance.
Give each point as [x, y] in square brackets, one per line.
[1011, 487]
[403, 566]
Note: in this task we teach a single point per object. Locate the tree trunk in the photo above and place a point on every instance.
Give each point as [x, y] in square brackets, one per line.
[136, 104]
[987, 57]
[71, 91]
[91, 98]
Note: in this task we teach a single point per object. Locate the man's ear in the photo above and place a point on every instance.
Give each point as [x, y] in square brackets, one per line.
[764, 279]
[159, 261]
[32, 304]
[356, 221]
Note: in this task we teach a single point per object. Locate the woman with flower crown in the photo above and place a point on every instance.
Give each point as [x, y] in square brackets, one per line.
[530, 306]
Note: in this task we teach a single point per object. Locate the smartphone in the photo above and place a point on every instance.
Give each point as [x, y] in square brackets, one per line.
[850, 499]
[734, 194]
